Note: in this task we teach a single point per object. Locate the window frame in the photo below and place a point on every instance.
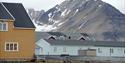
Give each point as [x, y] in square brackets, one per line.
[17, 49]
[41, 50]
[64, 49]
[55, 49]
[3, 27]
[99, 50]
[111, 50]
[124, 51]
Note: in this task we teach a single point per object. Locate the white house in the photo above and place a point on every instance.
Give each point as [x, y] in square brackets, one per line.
[79, 48]
[76, 44]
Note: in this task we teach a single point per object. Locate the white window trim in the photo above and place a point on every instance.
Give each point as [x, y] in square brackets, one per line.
[12, 43]
[6, 26]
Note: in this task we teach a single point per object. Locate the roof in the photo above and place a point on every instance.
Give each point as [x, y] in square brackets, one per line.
[86, 43]
[22, 19]
[4, 14]
[58, 34]
[84, 34]
[46, 35]
[72, 35]
[41, 35]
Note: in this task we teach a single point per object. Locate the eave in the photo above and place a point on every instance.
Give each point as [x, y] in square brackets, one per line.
[6, 20]
[24, 28]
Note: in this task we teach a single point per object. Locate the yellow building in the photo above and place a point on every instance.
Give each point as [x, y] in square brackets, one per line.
[17, 36]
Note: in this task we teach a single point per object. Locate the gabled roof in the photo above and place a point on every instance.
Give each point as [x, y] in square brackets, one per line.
[85, 43]
[4, 14]
[46, 35]
[73, 36]
[22, 19]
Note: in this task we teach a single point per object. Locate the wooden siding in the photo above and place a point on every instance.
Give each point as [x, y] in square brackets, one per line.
[87, 52]
[25, 39]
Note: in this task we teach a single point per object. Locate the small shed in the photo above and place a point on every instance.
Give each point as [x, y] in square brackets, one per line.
[88, 52]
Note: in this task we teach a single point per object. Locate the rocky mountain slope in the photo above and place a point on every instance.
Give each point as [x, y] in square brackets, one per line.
[95, 17]
[34, 14]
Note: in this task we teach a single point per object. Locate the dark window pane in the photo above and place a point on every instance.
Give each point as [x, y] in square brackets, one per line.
[7, 46]
[124, 51]
[99, 50]
[4, 26]
[11, 46]
[15, 46]
[0, 26]
[111, 51]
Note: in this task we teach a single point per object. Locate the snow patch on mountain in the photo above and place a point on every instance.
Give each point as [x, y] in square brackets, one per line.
[76, 11]
[65, 12]
[99, 5]
[61, 23]
[50, 14]
[45, 28]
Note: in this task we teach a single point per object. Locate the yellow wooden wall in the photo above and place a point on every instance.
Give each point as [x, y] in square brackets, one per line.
[25, 38]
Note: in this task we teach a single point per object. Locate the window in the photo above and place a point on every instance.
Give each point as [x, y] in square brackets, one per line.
[55, 49]
[99, 50]
[124, 51]
[3, 26]
[119, 49]
[11, 46]
[41, 49]
[111, 50]
[64, 49]
[80, 48]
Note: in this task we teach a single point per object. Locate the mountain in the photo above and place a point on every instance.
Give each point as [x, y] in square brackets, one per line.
[95, 17]
[34, 14]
